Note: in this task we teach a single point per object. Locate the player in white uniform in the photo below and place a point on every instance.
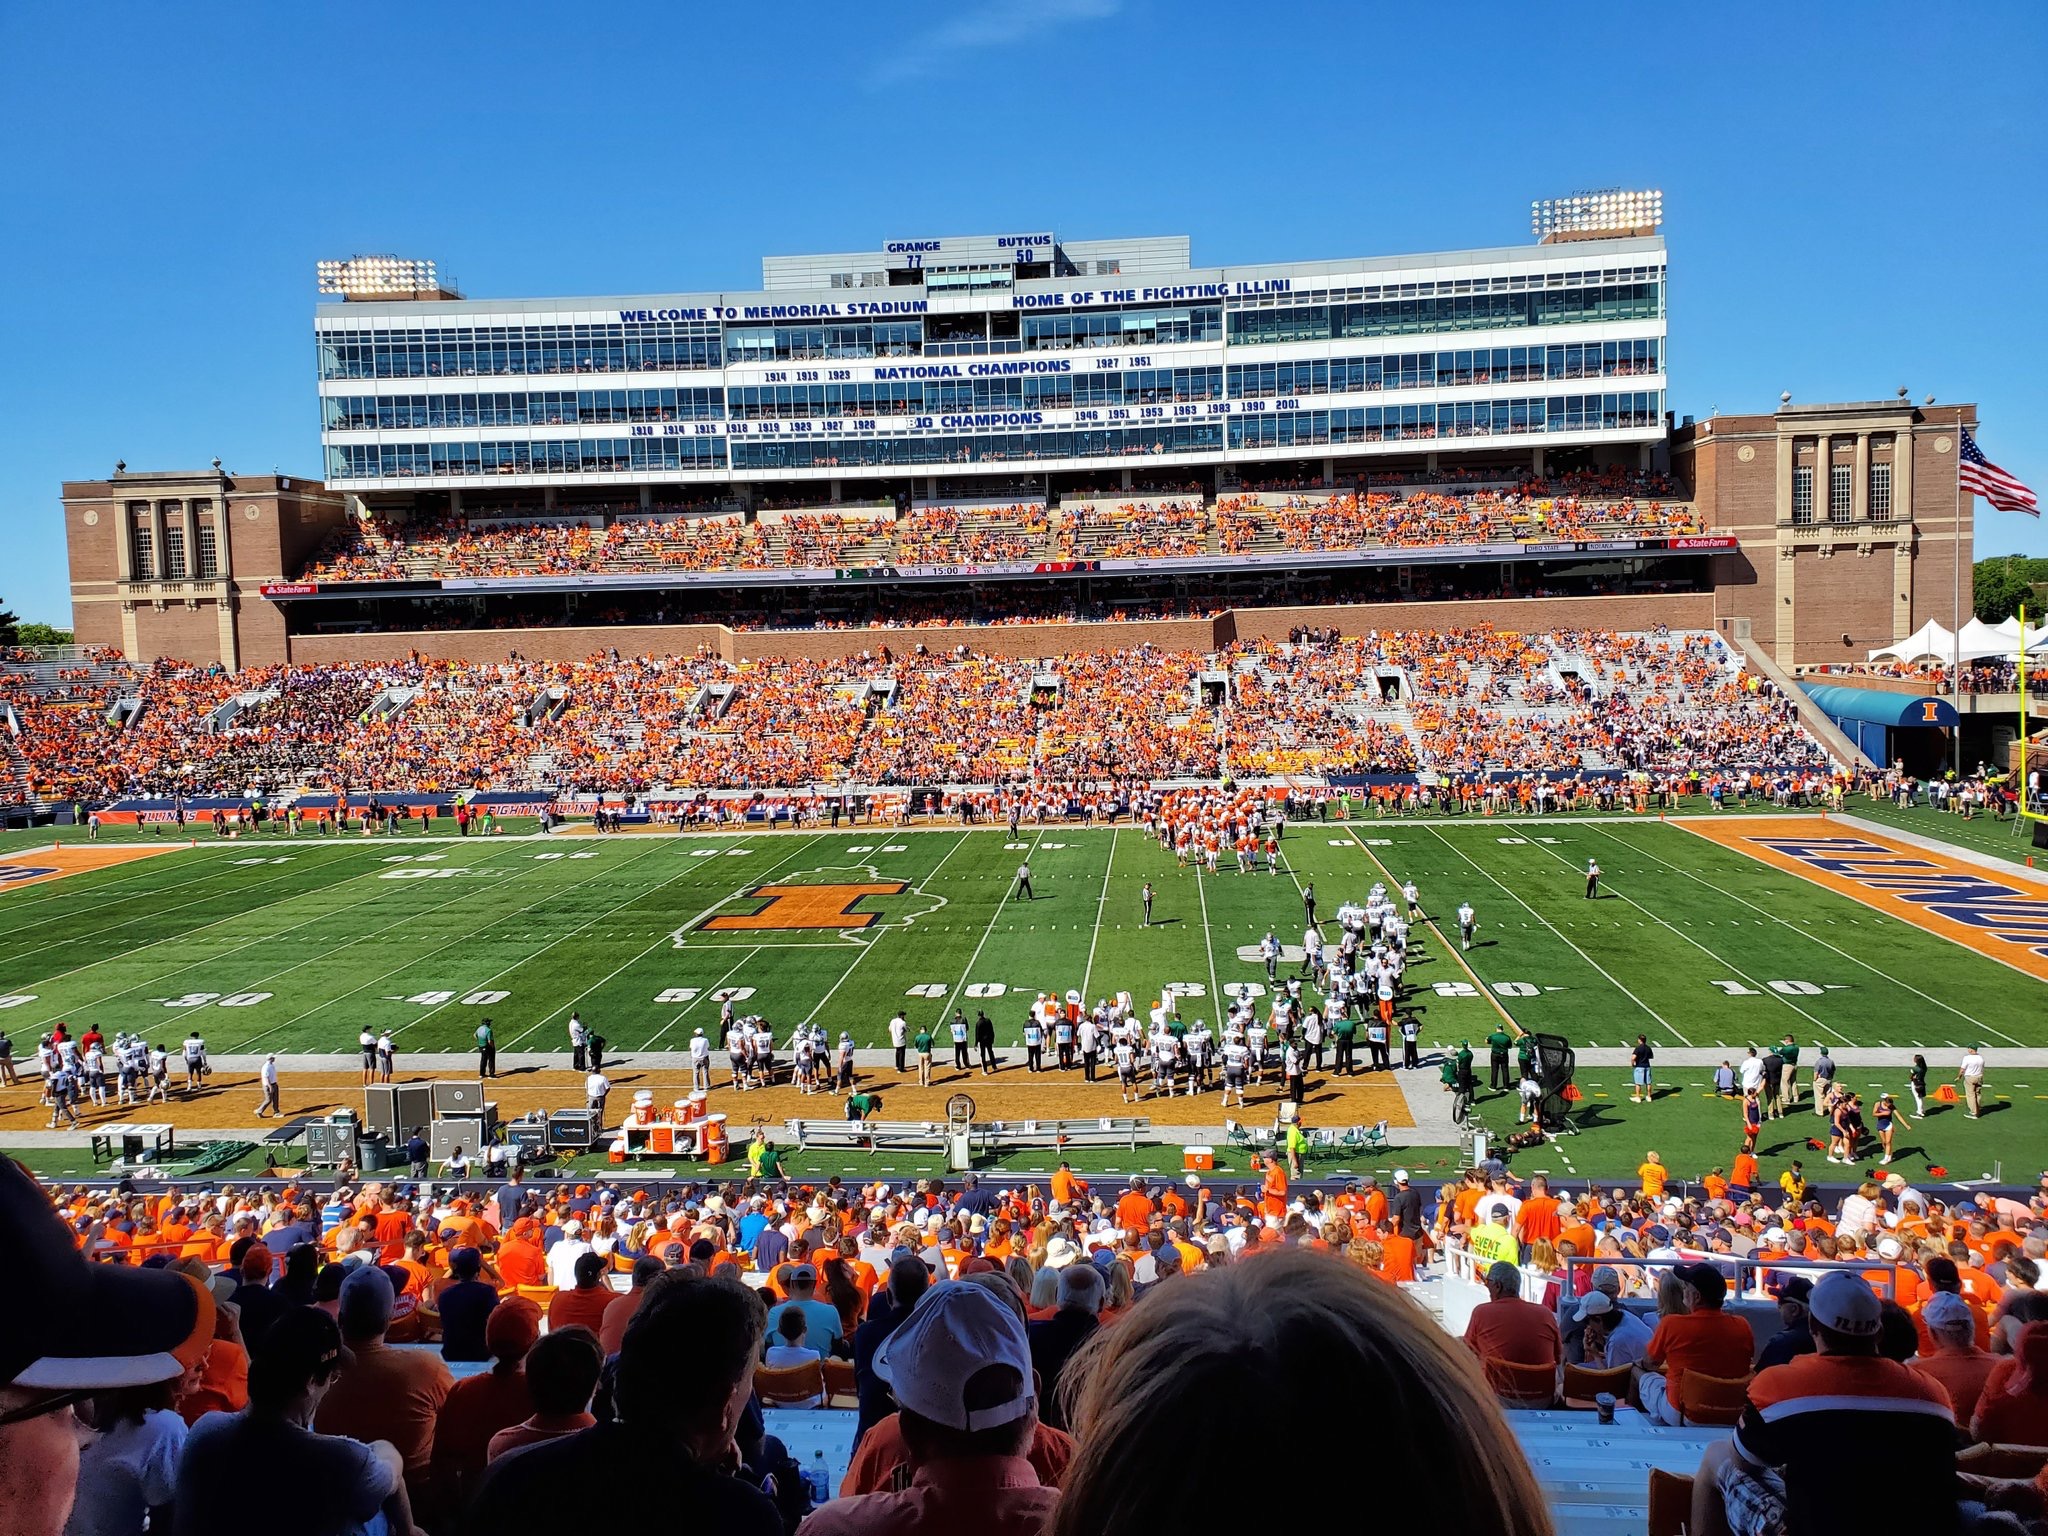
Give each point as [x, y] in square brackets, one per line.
[1126, 1058]
[1467, 921]
[1236, 1059]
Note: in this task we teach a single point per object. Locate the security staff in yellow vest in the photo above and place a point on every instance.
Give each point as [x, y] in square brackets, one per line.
[1491, 1242]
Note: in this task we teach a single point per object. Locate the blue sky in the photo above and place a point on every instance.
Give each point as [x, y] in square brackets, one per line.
[1853, 193]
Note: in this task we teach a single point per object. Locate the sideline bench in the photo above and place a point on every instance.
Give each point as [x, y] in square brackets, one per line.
[993, 1136]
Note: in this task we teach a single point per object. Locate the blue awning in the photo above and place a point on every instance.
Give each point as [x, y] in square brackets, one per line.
[1874, 706]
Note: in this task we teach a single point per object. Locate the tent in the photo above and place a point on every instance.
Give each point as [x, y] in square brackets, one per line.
[1931, 642]
[1984, 642]
[2037, 635]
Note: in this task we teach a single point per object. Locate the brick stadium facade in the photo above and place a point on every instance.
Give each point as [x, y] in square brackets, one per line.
[1831, 563]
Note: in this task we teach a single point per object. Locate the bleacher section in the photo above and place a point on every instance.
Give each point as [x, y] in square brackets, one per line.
[1181, 525]
[1596, 1477]
[1455, 705]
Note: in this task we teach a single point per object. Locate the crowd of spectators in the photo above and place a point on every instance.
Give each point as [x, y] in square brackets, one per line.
[1458, 702]
[1020, 1358]
[1148, 527]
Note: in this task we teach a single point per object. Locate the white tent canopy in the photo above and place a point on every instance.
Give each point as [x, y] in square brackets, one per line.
[2037, 635]
[1983, 641]
[1931, 642]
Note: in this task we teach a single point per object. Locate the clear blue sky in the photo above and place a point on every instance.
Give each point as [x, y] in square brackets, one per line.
[1854, 193]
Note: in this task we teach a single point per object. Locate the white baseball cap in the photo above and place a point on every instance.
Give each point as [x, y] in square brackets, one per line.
[956, 1329]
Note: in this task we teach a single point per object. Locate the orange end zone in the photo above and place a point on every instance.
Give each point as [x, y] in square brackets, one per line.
[2002, 914]
[55, 863]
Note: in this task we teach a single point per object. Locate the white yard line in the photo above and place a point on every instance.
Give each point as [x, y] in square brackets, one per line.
[869, 948]
[636, 959]
[151, 915]
[1612, 980]
[708, 992]
[179, 938]
[1208, 938]
[412, 960]
[1733, 970]
[1101, 905]
[1002, 905]
[1817, 939]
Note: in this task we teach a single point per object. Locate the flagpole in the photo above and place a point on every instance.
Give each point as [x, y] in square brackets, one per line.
[1955, 677]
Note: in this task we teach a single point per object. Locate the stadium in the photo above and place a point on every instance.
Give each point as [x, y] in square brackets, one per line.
[1039, 711]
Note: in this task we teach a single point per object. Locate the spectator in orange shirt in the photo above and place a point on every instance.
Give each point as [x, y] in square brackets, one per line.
[1505, 1327]
[520, 1259]
[1134, 1210]
[2014, 1407]
[1704, 1339]
[620, 1309]
[585, 1305]
[477, 1407]
[385, 1394]
[561, 1375]
[1957, 1363]
[1066, 1189]
[1538, 1220]
[1654, 1175]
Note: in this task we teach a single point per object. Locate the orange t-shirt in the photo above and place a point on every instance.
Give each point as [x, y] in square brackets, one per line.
[1709, 1341]
[1653, 1176]
[581, 1309]
[1397, 1258]
[1537, 1220]
[1746, 1174]
[1133, 1212]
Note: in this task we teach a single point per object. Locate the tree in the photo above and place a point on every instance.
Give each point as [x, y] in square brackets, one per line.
[2003, 583]
[42, 634]
[9, 627]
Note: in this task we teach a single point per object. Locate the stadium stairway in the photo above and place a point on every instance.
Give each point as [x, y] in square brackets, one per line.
[1596, 1477]
[1823, 730]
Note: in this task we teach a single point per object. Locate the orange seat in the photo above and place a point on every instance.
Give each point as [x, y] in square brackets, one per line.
[2001, 1460]
[539, 1295]
[1713, 1399]
[1583, 1383]
[839, 1384]
[1670, 1502]
[794, 1384]
[1521, 1386]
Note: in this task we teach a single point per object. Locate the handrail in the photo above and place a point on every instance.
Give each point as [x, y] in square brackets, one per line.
[1746, 1275]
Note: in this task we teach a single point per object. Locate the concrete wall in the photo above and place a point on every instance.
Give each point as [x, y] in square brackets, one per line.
[1679, 611]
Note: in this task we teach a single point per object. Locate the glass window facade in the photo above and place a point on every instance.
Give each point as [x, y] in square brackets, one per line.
[1880, 493]
[174, 548]
[549, 408]
[142, 552]
[402, 461]
[1456, 312]
[1841, 493]
[1802, 494]
[1184, 367]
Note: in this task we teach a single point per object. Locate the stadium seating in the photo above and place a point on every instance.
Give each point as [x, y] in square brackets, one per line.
[707, 537]
[1468, 703]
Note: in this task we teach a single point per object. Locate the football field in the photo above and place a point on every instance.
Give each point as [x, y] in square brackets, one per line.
[294, 946]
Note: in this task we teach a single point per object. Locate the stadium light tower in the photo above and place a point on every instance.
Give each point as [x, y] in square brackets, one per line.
[383, 277]
[1600, 215]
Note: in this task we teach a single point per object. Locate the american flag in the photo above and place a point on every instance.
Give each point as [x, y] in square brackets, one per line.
[1980, 476]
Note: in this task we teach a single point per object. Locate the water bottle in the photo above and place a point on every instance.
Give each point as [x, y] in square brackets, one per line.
[820, 1478]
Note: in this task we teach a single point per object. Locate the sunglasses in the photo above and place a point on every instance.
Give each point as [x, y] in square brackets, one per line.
[48, 1403]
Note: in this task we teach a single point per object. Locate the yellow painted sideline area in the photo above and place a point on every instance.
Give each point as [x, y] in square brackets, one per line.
[2000, 913]
[17, 870]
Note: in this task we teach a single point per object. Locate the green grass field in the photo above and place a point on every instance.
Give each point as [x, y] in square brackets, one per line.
[293, 946]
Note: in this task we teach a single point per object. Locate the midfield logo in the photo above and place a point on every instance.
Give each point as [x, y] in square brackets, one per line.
[807, 906]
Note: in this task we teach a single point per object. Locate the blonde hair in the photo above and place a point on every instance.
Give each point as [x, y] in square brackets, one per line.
[1282, 1329]
[1121, 1290]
